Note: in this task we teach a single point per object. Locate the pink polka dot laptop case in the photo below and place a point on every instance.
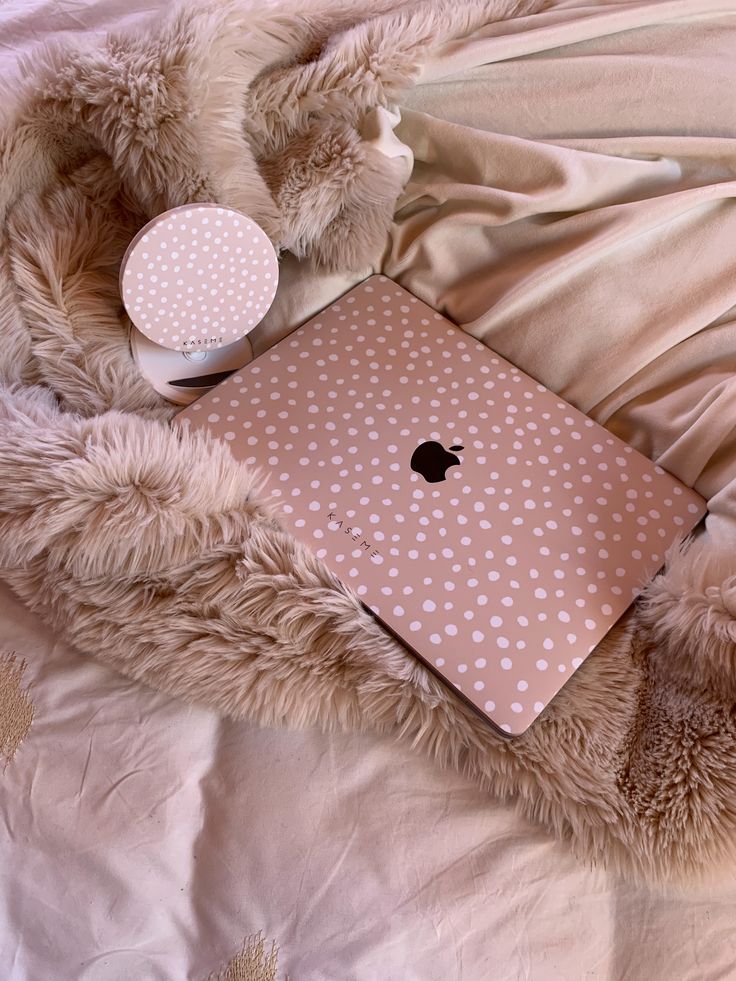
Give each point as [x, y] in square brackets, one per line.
[495, 529]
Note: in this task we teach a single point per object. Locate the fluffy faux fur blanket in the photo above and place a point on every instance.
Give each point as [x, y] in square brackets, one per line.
[154, 551]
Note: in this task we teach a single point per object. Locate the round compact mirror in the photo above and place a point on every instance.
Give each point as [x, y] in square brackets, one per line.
[195, 281]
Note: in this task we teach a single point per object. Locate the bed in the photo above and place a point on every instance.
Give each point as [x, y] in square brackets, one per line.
[143, 838]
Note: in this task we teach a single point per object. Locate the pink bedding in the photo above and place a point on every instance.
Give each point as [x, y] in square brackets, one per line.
[142, 839]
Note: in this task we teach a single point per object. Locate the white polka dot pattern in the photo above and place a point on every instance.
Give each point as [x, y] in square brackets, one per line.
[198, 277]
[504, 575]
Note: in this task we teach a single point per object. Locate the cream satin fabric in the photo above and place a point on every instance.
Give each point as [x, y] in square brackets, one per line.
[572, 205]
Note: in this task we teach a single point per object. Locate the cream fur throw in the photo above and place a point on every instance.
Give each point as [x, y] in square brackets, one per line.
[155, 552]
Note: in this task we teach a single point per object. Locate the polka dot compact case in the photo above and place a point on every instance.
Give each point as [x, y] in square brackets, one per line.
[493, 528]
[195, 281]
[198, 277]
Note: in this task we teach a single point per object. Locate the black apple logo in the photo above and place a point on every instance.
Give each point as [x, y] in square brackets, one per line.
[432, 460]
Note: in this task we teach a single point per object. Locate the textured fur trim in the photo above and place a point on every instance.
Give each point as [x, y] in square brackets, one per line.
[691, 616]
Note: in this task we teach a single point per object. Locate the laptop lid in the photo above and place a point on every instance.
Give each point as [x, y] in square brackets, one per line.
[492, 527]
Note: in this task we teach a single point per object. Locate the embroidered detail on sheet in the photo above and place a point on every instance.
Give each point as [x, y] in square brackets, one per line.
[251, 963]
[16, 708]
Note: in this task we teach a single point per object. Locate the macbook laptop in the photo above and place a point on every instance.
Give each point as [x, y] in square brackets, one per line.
[494, 529]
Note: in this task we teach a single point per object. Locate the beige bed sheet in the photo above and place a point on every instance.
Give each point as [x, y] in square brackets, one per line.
[572, 205]
[143, 840]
